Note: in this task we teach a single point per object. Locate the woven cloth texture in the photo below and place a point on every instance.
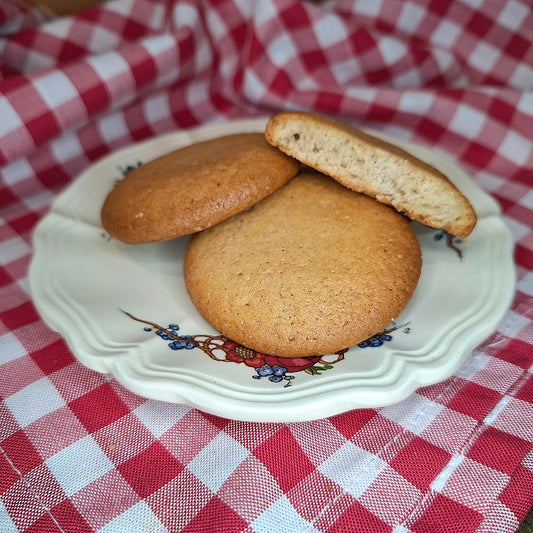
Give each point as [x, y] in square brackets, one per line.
[79, 453]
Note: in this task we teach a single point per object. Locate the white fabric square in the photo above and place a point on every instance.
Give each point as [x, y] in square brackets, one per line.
[415, 102]
[525, 104]
[17, 171]
[512, 323]
[102, 39]
[409, 18]
[414, 413]
[467, 121]
[159, 44]
[157, 108]
[139, 517]
[269, 520]
[113, 127]
[392, 50]
[345, 70]
[488, 182]
[483, 56]
[66, 148]
[6, 524]
[253, 87]
[527, 199]
[108, 65]
[472, 366]
[79, 464]
[217, 27]
[445, 34]
[512, 15]
[10, 348]
[13, 249]
[216, 462]
[10, 118]
[472, 3]
[329, 31]
[352, 468]
[58, 28]
[515, 147]
[55, 88]
[408, 79]
[34, 401]
[159, 417]
[123, 8]
[521, 77]
[281, 50]
[370, 8]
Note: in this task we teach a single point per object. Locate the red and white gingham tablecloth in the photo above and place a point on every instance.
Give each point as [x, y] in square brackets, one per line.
[79, 452]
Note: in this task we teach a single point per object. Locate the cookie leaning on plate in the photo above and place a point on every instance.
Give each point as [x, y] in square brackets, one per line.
[374, 167]
[192, 188]
[309, 270]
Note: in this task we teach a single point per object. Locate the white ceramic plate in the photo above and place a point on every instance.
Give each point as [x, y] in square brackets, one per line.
[114, 303]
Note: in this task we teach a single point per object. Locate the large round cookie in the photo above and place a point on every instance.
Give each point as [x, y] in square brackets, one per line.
[194, 187]
[311, 269]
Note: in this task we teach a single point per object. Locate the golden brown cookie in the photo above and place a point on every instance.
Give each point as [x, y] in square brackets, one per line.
[194, 188]
[376, 168]
[309, 270]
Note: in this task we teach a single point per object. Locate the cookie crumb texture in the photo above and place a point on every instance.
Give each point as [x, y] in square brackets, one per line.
[373, 167]
[312, 269]
[194, 188]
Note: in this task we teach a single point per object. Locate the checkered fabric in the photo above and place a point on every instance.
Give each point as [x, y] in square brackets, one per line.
[79, 453]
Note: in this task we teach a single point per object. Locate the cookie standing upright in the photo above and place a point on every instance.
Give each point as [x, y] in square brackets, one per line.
[195, 187]
[312, 269]
[374, 167]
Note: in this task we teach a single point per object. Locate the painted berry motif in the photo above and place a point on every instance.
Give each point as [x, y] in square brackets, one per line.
[274, 369]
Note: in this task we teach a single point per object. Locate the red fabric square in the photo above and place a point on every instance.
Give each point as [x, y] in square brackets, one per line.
[474, 400]
[513, 495]
[477, 155]
[444, 515]
[357, 518]
[19, 316]
[6, 196]
[350, 423]
[499, 450]
[519, 353]
[69, 518]
[517, 46]
[8, 476]
[216, 516]
[21, 452]
[25, 223]
[5, 278]
[273, 453]
[479, 24]
[52, 357]
[501, 110]
[43, 127]
[98, 408]
[419, 462]
[150, 470]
